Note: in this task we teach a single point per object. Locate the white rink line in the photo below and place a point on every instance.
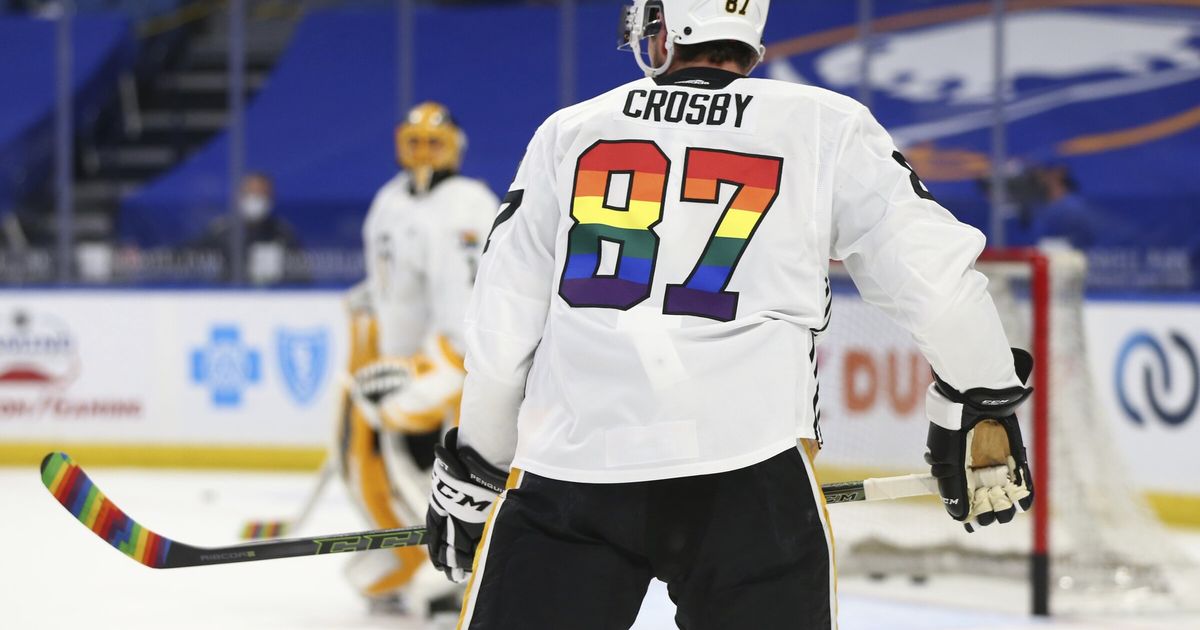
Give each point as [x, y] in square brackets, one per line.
[55, 574]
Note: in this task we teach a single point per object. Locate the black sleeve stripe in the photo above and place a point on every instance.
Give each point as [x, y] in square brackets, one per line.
[511, 202]
[917, 185]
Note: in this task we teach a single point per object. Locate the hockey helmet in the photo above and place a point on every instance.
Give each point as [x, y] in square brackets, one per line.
[429, 141]
[692, 22]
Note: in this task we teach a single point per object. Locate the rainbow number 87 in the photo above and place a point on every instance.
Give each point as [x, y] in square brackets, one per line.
[627, 231]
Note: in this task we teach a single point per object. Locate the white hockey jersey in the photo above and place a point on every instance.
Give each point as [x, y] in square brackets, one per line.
[422, 253]
[648, 301]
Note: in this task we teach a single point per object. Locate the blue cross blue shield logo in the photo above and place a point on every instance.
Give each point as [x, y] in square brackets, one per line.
[303, 360]
[226, 366]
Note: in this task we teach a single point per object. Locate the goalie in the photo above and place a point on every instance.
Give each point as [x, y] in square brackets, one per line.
[422, 244]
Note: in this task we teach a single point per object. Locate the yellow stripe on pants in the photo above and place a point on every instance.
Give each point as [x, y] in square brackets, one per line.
[479, 563]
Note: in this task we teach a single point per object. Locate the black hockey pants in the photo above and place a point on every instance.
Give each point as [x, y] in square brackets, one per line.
[748, 549]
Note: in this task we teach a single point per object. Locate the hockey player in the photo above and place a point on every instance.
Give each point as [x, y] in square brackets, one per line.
[422, 240]
[641, 343]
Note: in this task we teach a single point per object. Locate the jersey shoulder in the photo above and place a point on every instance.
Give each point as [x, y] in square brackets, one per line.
[389, 195]
[823, 96]
[463, 199]
[570, 118]
[462, 205]
[837, 106]
[394, 188]
[463, 186]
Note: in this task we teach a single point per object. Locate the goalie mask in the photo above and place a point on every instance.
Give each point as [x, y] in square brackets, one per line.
[429, 142]
[691, 22]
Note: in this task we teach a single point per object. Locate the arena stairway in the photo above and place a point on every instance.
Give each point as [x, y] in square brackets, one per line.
[175, 104]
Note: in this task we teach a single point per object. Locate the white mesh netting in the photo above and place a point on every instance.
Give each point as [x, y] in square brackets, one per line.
[1108, 550]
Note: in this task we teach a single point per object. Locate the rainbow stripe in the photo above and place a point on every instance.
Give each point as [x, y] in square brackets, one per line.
[629, 227]
[255, 530]
[76, 492]
[704, 293]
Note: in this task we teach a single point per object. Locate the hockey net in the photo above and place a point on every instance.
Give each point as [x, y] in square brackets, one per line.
[1092, 543]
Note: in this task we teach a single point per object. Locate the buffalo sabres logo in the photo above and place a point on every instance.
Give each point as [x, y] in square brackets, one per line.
[303, 359]
[931, 75]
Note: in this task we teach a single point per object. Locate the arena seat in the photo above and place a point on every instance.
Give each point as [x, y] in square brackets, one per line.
[104, 46]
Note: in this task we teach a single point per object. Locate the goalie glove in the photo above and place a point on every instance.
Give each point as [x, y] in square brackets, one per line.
[975, 449]
[434, 392]
[381, 379]
[415, 394]
[465, 486]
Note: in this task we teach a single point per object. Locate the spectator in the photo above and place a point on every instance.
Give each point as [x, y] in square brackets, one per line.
[1064, 215]
[268, 238]
[12, 237]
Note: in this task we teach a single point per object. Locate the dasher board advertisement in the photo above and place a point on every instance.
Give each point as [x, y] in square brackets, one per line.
[236, 368]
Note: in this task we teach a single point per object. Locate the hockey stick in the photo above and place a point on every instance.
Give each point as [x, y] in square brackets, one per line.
[258, 530]
[263, 529]
[880, 489]
[76, 492]
[72, 488]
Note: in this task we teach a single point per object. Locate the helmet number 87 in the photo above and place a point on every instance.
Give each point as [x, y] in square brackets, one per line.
[732, 6]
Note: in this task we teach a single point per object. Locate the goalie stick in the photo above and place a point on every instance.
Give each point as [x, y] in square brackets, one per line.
[259, 529]
[76, 492]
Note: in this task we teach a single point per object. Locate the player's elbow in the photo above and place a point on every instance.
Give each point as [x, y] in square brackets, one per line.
[939, 274]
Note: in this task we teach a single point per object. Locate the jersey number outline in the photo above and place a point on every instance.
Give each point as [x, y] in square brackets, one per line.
[630, 228]
[508, 207]
[918, 186]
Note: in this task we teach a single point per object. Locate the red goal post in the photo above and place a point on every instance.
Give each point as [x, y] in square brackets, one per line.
[1038, 267]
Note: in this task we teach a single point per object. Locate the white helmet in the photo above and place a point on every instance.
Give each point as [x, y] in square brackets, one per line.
[692, 22]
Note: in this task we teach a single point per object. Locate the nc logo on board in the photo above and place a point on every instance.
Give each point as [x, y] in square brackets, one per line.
[1168, 394]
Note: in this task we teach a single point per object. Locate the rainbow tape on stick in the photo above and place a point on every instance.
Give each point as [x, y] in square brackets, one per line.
[255, 530]
[76, 492]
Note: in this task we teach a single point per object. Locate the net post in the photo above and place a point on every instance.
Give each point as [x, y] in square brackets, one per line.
[1038, 265]
[1040, 559]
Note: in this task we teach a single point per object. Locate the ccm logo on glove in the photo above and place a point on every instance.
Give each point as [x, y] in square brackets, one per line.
[464, 499]
[464, 488]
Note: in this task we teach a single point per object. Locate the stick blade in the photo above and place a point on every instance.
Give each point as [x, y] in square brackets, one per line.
[76, 492]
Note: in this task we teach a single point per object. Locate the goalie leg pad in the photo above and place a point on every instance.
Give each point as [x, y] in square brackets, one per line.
[372, 490]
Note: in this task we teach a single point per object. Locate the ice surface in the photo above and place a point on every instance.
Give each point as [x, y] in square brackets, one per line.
[56, 574]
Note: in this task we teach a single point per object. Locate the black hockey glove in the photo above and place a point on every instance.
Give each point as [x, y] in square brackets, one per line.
[465, 486]
[975, 449]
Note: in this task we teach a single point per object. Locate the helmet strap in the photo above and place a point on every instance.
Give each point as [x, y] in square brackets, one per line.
[762, 52]
[652, 71]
